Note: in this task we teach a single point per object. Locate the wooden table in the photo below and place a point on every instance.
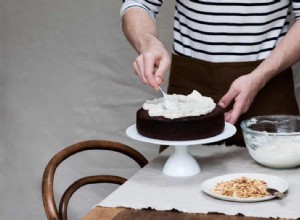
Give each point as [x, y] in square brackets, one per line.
[103, 213]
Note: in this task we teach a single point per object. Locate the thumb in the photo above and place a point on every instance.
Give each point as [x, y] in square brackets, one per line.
[227, 99]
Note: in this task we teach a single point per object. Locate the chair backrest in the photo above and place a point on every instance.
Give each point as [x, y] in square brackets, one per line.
[49, 172]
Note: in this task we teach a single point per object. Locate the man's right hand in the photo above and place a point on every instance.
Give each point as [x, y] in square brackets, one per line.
[151, 65]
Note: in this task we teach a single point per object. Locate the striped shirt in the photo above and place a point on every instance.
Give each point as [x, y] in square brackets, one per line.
[225, 30]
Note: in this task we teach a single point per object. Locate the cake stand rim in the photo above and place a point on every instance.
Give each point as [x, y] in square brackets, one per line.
[229, 130]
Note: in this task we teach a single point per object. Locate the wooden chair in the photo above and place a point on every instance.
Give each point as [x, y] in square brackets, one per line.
[48, 177]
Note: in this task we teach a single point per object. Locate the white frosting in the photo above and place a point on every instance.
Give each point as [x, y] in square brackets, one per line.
[193, 104]
[278, 155]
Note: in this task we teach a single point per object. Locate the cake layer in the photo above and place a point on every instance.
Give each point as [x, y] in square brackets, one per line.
[179, 129]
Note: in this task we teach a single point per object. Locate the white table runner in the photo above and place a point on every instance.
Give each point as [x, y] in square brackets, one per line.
[150, 188]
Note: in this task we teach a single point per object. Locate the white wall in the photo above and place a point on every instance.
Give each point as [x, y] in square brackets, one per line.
[65, 76]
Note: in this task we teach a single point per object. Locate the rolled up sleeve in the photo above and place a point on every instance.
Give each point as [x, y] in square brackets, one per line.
[150, 6]
[296, 8]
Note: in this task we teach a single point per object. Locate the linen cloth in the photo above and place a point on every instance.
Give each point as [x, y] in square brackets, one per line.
[150, 188]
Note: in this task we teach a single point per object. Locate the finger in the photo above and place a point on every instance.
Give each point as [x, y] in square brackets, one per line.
[159, 80]
[140, 64]
[235, 113]
[149, 71]
[228, 98]
[161, 70]
[227, 115]
[136, 70]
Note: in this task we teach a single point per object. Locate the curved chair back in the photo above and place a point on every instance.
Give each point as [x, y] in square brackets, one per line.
[48, 177]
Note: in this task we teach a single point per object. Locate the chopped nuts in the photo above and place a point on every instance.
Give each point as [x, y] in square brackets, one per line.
[242, 187]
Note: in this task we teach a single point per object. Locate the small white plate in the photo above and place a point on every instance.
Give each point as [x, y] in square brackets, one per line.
[228, 131]
[274, 182]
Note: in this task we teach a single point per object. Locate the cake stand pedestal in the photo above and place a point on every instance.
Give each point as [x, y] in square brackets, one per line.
[181, 163]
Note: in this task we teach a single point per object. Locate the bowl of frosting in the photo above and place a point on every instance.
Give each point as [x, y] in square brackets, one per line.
[273, 140]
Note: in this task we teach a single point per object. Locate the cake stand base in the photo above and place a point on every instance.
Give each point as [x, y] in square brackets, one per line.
[181, 163]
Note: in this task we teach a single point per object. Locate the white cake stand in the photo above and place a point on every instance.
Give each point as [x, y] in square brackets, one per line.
[181, 163]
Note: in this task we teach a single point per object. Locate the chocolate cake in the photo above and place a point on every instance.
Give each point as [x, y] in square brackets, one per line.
[179, 129]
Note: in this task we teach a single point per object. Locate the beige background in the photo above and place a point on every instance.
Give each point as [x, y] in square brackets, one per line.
[65, 77]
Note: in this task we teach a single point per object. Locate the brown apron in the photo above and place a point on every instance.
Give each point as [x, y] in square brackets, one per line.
[214, 79]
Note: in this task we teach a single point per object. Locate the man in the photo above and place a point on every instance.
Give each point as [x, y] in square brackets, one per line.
[237, 52]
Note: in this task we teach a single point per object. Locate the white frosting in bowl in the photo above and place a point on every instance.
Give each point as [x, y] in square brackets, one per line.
[193, 104]
[278, 154]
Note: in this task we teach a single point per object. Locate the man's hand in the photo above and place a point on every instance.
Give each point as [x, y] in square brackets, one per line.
[151, 65]
[242, 91]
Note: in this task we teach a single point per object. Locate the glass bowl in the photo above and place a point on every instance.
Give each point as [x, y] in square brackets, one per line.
[273, 140]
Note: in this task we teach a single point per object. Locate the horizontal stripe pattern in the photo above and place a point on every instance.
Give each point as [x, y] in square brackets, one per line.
[226, 30]
[150, 6]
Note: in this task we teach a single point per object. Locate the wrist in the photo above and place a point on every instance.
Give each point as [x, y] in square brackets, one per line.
[149, 40]
[263, 75]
